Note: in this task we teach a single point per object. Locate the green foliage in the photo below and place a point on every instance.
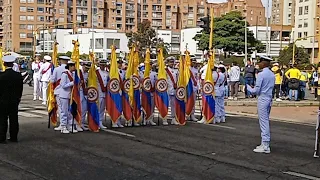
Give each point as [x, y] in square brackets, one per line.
[229, 35]
[231, 59]
[301, 56]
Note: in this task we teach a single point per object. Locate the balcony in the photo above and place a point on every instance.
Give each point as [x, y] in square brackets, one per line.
[154, 16]
[130, 15]
[130, 23]
[130, 8]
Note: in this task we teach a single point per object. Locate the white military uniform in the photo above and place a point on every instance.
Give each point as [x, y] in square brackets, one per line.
[16, 67]
[219, 115]
[172, 92]
[45, 73]
[64, 96]
[84, 101]
[102, 94]
[36, 80]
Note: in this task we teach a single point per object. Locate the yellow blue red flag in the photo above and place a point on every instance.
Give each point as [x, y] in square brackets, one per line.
[180, 104]
[161, 97]
[75, 101]
[93, 94]
[114, 104]
[52, 103]
[208, 101]
[135, 88]
[128, 94]
[1, 61]
[146, 98]
[190, 100]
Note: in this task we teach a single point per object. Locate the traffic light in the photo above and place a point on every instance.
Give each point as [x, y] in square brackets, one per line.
[206, 24]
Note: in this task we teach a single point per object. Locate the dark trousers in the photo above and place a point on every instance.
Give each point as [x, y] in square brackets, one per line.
[11, 112]
[276, 91]
[315, 89]
[249, 81]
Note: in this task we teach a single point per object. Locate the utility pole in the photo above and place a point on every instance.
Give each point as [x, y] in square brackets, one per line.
[246, 40]
[43, 39]
[267, 31]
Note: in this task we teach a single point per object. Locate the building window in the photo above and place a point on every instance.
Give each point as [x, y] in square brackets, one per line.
[305, 34]
[306, 9]
[299, 34]
[99, 43]
[251, 12]
[25, 46]
[30, 1]
[30, 27]
[61, 11]
[40, 1]
[30, 18]
[300, 10]
[23, 9]
[30, 9]
[190, 22]
[300, 1]
[110, 43]
[22, 26]
[23, 18]
[23, 35]
[40, 10]
[23, 1]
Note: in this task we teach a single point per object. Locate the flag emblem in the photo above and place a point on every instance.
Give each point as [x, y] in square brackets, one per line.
[161, 85]
[114, 86]
[92, 94]
[146, 84]
[181, 93]
[208, 88]
[136, 82]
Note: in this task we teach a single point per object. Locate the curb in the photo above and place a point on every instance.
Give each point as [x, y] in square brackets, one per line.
[276, 104]
[271, 118]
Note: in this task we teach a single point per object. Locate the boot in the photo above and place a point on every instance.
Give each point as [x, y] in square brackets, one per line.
[165, 122]
[174, 122]
[202, 121]
[193, 118]
[34, 98]
[151, 122]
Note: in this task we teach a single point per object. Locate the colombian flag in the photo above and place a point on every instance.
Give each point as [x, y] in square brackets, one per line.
[146, 94]
[135, 89]
[208, 102]
[1, 62]
[93, 110]
[128, 94]
[52, 104]
[161, 97]
[189, 85]
[114, 104]
[180, 105]
[75, 94]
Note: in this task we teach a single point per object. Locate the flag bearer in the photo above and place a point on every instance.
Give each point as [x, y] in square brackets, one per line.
[153, 77]
[219, 89]
[194, 76]
[263, 89]
[36, 65]
[56, 80]
[45, 73]
[172, 86]
[84, 73]
[67, 82]
[102, 77]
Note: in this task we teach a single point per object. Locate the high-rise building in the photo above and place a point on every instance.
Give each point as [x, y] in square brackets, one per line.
[253, 10]
[282, 12]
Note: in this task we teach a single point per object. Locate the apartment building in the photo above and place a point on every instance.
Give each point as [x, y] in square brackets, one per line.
[1, 23]
[283, 12]
[253, 10]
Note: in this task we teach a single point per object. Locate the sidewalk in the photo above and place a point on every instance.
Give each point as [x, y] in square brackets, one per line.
[284, 103]
[305, 115]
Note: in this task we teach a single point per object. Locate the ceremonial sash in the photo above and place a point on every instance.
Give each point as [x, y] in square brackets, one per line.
[217, 79]
[69, 76]
[39, 65]
[103, 89]
[82, 83]
[193, 79]
[225, 78]
[44, 71]
[171, 78]
[56, 84]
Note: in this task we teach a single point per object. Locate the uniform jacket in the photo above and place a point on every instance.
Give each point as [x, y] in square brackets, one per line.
[219, 85]
[195, 74]
[171, 85]
[104, 77]
[56, 77]
[66, 85]
[11, 87]
[45, 72]
[36, 68]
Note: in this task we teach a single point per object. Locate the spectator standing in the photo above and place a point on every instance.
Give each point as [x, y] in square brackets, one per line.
[315, 83]
[278, 80]
[293, 76]
[250, 73]
[303, 85]
[234, 75]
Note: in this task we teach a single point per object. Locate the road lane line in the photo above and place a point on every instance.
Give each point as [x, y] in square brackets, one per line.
[215, 125]
[118, 133]
[28, 115]
[301, 175]
[40, 112]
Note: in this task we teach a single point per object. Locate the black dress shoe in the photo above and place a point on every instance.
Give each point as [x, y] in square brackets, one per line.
[13, 140]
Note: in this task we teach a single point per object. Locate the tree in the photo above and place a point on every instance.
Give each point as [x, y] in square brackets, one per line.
[301, 56]
[229, 35]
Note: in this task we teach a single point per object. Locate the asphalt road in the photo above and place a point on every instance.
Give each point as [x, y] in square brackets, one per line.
[194, 151]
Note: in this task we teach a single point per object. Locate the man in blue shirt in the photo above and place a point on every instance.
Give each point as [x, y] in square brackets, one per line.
[263, 89]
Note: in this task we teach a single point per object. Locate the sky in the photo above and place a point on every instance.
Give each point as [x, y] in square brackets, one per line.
[264, 2]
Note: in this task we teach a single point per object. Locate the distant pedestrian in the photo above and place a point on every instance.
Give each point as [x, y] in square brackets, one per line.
[250, 73]
[303, 85]
[234, 75]
[263, 89]
[277, 73]
[315, 82]
[10, 96]
[293, 75]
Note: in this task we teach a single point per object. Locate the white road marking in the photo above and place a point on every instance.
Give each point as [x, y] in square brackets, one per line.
[28, 115]
[40, 107]
[221, 126]
[24, 108]
[40, 112]
[118, 133]
[301, 175]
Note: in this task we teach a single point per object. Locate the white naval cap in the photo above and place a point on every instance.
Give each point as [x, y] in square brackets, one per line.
[47, 58]
[37, 54]
[221, 66]
[276, 64]
[9, 59]
[71, 62]
[64, 58]
[141, 64]
[265, 58]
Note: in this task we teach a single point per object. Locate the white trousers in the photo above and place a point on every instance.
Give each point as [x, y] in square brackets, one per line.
[172, 103]
[219, 108]
[84, 107]
[44, 90]
[102, 108]
[36, 86]
[65, 115]
[195, 100]
[264, 108]
[58, 104]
